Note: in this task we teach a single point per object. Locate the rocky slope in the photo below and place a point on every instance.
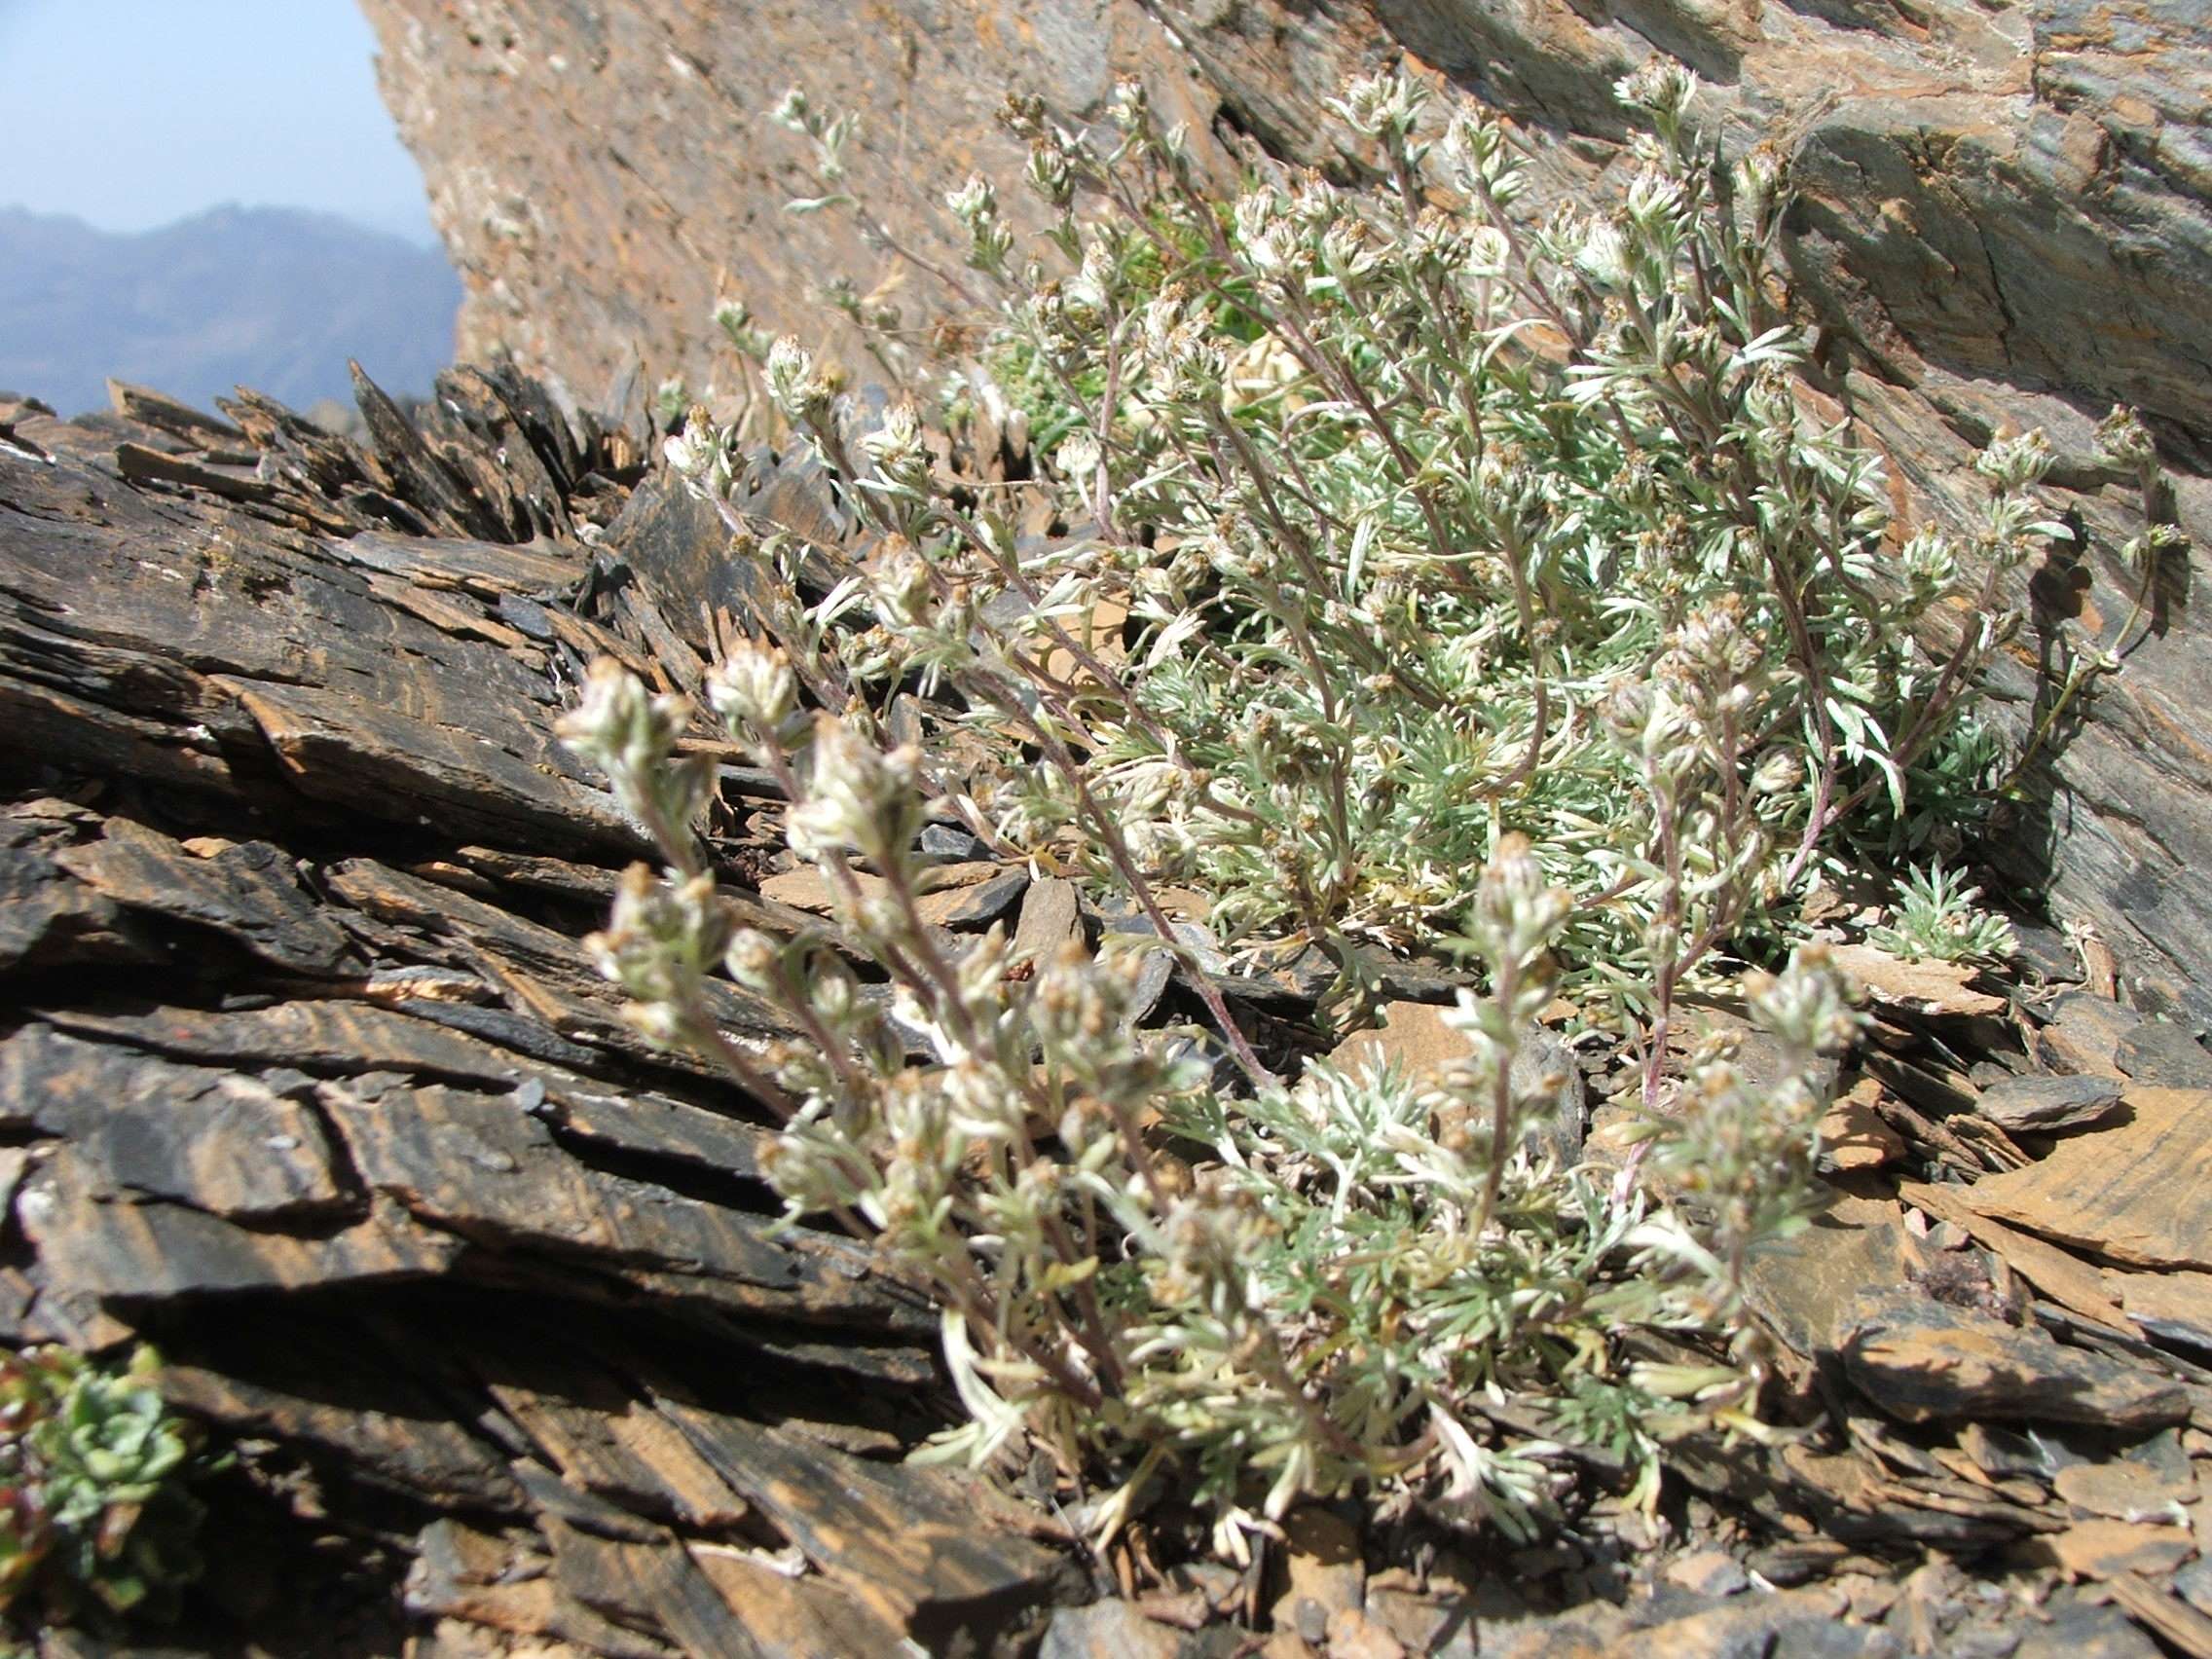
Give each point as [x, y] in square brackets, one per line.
[2005, 218]
[306, 1076]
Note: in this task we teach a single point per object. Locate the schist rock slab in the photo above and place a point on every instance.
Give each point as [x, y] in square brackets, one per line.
[96, 1247]
[2137, 1191]
[2042, 1103]
[896, 1537]
[1925, 1361]
[247, 891]
[479, 1166]
[198, 1135]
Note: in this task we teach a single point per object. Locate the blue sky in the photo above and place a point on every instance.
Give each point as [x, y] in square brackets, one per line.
[129, 114]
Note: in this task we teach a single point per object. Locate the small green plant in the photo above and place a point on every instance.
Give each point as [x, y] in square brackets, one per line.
[96, 1517]
[1936, 918]
[1480, 585]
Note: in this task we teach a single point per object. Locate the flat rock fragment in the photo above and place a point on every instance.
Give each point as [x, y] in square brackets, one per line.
[2174, 1307]
[1051, 918]
[657, 1127]
[2104, 1549]
[2020, 1104]
[975, 904]
[2161, 1053]
[1926, 988]
[2147, 1485]
[1854, 1135]
[2184, 1626]
[218, 1140]
[814, 891]
[897, 1538]
[1106, 1630]
[2138, 1192]
[95, 1249]
[1800, 1286]
[609, 1442]
[322, 1036]
[49, 917]
[423, 1452]
[499, 1582]
[2083, 1631]
[542, 972]
[656, 1584]
[1807, 1622]
[2083, 1033]
[246, 889]
[479, 1166]
[791, 1617]
[1924, 1361]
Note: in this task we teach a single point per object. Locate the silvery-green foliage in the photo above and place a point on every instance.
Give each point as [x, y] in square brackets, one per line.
[96, 1515]
[1311, 1288]
[1436, 525]
[1488, 586]
[1936, 917]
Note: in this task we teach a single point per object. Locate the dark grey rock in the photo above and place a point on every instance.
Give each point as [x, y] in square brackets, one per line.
[2163, 1054]
[1926, 1361]
[2083, 1033]
[978, 905]
[1106, 1630]
[957, 846]
[2019, 1103]
[2078, 1630]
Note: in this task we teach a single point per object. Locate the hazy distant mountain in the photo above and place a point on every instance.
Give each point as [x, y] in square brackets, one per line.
[274, 298]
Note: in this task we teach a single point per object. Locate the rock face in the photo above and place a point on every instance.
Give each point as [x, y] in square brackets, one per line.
[2005, 218]
[306, 1075]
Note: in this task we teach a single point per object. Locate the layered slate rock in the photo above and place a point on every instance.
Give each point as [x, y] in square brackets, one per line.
[2006, 219]
[1923, 1362]
[307, 1077]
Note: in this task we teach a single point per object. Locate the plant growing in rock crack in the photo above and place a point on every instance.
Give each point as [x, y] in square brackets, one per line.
[2126, 444]
[1487, 587]
[1357, 1280]
[1936, 917]
[96, 1516]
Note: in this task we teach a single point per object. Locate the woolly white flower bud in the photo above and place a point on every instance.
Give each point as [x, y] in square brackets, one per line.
[1376, 105]
[1661, 86]
[903, 596]
[974, 200]
[617, 725]
[1078, 457]
[2016, 462]
[754, 689]
[797, 387]
[1778, 774]
[793, 110]
[895, 447]
[1051, 174]
[2123, 440]
[1602, 255]
[856, 796]
[1488, 252]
